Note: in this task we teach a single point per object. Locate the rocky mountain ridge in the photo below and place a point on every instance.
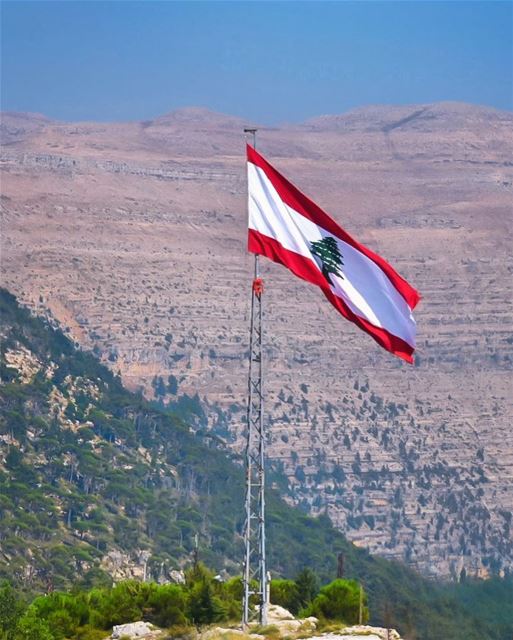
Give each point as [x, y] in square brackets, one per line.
[133, 236]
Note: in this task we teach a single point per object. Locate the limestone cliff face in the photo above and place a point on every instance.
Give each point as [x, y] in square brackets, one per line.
[133, 236]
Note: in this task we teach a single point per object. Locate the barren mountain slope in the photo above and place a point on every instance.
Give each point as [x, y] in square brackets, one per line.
[133, 235]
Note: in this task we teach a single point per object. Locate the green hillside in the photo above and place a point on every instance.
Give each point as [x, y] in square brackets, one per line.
[94, 480]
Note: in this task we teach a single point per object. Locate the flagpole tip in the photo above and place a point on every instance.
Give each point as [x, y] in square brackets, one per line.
[252, 131]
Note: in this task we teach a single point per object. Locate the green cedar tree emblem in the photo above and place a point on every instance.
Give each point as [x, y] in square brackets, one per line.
[329, 256]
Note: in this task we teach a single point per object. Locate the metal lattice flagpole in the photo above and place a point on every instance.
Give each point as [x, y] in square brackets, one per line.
[255, 570]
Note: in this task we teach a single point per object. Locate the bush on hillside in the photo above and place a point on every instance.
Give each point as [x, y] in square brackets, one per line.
[307, 584]
[286, 594]
[30, 627]
[11, 609]
[339, 600]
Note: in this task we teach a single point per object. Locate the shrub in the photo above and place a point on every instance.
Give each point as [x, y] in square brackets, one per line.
[285, 593]
[30, 627]
[11, 609]
[124, 603]
[167, 603]
[307, 584]
[339, 600]
[62, 612]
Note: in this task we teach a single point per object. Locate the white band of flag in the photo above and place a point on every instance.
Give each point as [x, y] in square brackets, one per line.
[288, 228]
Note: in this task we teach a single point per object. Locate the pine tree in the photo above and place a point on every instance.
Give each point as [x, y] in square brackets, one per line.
[330, 257]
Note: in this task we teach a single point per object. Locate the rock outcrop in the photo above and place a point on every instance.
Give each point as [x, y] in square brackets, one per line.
[134, 630]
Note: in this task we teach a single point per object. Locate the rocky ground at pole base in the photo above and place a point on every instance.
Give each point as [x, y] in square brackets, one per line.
[137, 630]
[281, 624]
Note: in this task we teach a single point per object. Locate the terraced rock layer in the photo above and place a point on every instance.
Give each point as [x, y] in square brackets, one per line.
[133, 236]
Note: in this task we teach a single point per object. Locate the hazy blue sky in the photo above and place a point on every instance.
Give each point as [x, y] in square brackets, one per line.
[267, 61]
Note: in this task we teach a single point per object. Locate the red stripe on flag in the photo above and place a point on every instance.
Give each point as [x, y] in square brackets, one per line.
[292, 197]
[306, 270]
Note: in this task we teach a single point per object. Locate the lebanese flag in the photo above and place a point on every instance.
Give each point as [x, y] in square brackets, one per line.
[288, 228]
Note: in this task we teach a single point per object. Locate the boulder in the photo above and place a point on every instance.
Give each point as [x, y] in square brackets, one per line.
[275, 613]
[286, 623]
[177, 576]
[309, 624]
[132, 630]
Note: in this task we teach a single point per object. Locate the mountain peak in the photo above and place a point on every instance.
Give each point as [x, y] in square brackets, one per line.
[198, 116]
[387, 117]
